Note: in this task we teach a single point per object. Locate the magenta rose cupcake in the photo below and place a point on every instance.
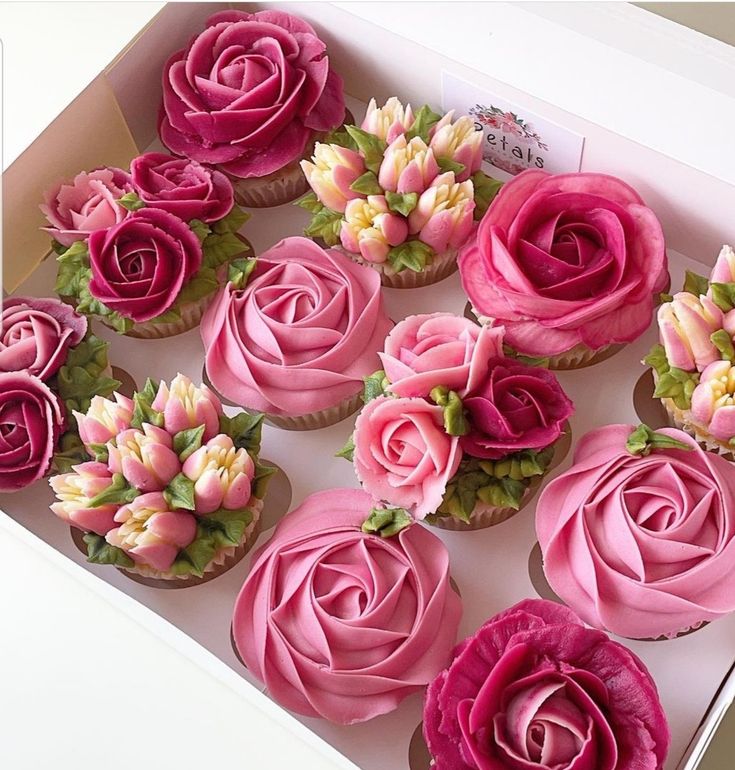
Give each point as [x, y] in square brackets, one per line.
[171, 490]
[638, 536]
[296, 335]
[694, 364]
[153, 271]
[453, 431]
[534, 688]
[49, 366]
[250, 95]
[346, 611]
[400, 193]
[570, 264]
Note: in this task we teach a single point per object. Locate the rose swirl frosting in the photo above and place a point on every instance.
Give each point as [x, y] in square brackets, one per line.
[341, 623]
[301, 334]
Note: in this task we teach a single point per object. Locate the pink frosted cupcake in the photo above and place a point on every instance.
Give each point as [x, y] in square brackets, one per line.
[172, 489]
[452, 430]
[250, 95]
[146, 263]
[295, 336]
[400, 193]
[327, 640]
[638, 536]
[50, 365]
[534, 688]
[570, 264]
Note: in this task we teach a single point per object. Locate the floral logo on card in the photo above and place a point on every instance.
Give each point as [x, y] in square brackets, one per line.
[511, 143]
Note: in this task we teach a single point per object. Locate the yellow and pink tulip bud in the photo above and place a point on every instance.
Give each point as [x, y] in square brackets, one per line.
[724, 269]
[331, 172]
[76, 490]
[370, 228]
[185, 405]
[104, 419]
[713, 400]
[686, 324]
[389, 121]
[144, 457]
[459, 142]
[407, 166]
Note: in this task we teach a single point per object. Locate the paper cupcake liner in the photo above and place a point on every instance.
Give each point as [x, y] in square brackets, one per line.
[441, 267]
[316, 420]
[282, 186]
[674, 634]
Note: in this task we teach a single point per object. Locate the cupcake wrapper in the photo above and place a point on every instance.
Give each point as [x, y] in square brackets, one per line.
[282, 186]
[441, 267]
[316, 420]
[675, 634]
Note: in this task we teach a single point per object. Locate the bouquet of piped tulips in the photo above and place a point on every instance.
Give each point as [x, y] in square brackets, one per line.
[173, 488]
[399, 193]
[694, 364]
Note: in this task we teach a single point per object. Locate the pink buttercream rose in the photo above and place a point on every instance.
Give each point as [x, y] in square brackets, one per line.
[514, 407]
[565, 260]
[643, 546]
[342, 624]
[534, 688]
[438, 349]
[403, 454]
[249, 93]
[182, 187]
[140, 265]
[36, 334]
[88, 203]
[31, 420]
[300, 336]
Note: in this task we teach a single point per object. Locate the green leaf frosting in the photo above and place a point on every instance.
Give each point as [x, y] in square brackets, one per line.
[367, 184]
[371, 147]
[142, 410]
[131, 201]
[82, 375]
[723, 342]
[244, 429]
[348, 450]
[99, 551]
[219, 248]
[240, 270]
[200, 229]
[186, 442]
[455, 423]
[201, 285]
[401, 203]
[168, 317]
[447, 164]
[325, 224]
[695, 284]
[375, 385]
[424, 121]
[673, 383]
[342, 138]
[232, 222]
[119, 492]
[723, 295]
[263, 475]
[386, 522]
[642, 441]
[69, 452]
[412, 255]
[486, 188]
[310, 202]
[180, 493]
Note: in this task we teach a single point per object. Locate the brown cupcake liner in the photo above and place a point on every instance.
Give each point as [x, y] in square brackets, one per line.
[686, 631]
[441, 267]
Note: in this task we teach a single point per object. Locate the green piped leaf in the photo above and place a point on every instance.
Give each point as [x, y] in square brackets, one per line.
[99, 551]
[325, 224]
[228, 527]
[263, 475]
[519, 465]
[348, 450]
[180, 493]
[486, 188]
[341, 138]
[186, 442]
[310, 202]
[200, 229]
[401, 203]
[447, 164]
[69, 452]
[657, 359]
[369, 146]
[172, 315]
[90, 305]
[143, 410]
[723, 295]
[375, 385]
[240, 270]
[642, 441]
[82, 376]
[232, 222]
[412, 255]
[424, 121]
[367, 184]
[695, 284]
[503, 493]
[131, 201]
[201, 285]
[723, 342]
[119, 492]
[193, 559]
[244, 429]
[73, 270]
[664, 297]
[219, 248]
[386, 522]
[455, 423]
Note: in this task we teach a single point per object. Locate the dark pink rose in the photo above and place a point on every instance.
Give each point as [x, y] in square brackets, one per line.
[182, 187]
[514, 407]
[36, 334]
[140, 265]
[566, 259]
[534, 688]
[31, 420]
[88, 203]
[249, 92]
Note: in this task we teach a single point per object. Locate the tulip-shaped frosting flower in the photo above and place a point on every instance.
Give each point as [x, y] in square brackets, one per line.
[685, 326]
[370, 228]
[389, 121]
[104, 419]
[724, 269]
[185, 405]
[459, 142]
[76, 491]
[145, 458]
[150, 533]
[713, 400]
[443, 215]
[222, 475]
[332, 170]
[407, 166]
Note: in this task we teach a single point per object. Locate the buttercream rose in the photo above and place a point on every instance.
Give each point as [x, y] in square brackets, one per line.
[342, 624]
[36, 334]
[642, 545]
[403, 454]
[182, 187]
[31, 420]
[534, 688]
[300, 336]
[140, 265]
[566, 260]
[438, 349]
[514, 407]
[88, 203]
[249, 93]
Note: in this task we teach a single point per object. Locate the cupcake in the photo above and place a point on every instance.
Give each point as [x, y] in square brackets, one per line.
[693, 367]
[295, 336]
[453, 431]
[346, 611]
[250, 95]
[638, 536]
[172, 489]
[49, 365]
[534, 688]
[400, 193]
[570, 264]
[148, 262]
